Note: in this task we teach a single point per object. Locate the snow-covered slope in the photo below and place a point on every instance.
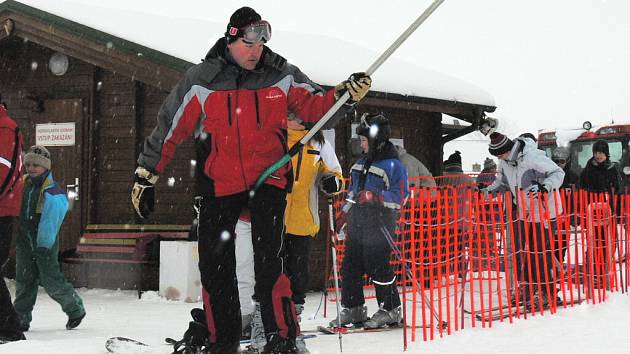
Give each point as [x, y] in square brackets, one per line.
[586, 329]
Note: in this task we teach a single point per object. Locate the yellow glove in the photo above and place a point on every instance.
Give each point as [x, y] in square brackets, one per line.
[143, 192]
[357, 85]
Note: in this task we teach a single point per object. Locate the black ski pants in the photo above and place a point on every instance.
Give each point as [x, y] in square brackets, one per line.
[217, 265]
[368, 252]
[297, 251]
[536, 256]
[8, 318]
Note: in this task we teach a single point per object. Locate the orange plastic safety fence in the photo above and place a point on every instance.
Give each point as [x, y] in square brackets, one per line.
[466, 258]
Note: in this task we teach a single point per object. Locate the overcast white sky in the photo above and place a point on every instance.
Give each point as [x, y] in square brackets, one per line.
[547, 63]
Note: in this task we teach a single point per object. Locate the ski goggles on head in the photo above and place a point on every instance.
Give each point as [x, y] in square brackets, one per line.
[255, 32]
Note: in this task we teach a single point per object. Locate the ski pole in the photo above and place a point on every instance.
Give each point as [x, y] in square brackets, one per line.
[329, 242]
[392, 245]
[334, 259]
[344, 98]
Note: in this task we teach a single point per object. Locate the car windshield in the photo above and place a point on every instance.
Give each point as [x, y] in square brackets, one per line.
[582, 151]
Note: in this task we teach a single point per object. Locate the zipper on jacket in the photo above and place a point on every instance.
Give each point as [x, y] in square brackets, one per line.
[238, 132]
[299, 164]
[229, 109]
[28, 213]
[257, 113]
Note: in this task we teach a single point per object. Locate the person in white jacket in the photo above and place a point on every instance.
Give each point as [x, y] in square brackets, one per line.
[533, 180]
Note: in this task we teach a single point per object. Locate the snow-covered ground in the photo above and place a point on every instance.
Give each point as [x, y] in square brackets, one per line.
[601, 328]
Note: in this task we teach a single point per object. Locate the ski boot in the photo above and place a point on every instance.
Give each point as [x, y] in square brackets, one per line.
[278, 345]
[355, 315]
[6, 337]
[258, 339]
[22, 327]
[74, 322]
[196, 337]
[384, 318]
[299, 340]
[246, 326]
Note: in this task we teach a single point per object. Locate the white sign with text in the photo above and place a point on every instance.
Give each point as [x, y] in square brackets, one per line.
[55, 134]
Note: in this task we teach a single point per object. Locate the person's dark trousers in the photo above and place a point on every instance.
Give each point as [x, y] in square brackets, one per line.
[217, 265]
[368, 252]
[297, 252]
[9, 322]
[538, 254]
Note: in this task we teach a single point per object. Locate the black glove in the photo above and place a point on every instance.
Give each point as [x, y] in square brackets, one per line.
[535, 189]
[357, 85]
[330, 184]
[143, 192]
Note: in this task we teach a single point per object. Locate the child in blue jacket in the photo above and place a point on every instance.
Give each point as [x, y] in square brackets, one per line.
[378, 190]
[44, 205]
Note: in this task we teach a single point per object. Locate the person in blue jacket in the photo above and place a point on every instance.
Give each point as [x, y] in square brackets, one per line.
[44, 206]
[378, 190]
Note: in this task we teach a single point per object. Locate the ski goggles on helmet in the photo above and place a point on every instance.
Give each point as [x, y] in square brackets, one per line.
[253, 33]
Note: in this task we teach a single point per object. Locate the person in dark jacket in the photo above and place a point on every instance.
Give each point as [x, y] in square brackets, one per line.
[10, 201]
[236, 104]
[600, 175]
[378, 189]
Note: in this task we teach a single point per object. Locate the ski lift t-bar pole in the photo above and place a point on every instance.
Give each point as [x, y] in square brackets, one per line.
[344, 98]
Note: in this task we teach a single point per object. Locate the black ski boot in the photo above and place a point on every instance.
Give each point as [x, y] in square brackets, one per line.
[23, 327]
[6, 337]
[279, 345]
[195, 340]
[74, 322]
[354, 315]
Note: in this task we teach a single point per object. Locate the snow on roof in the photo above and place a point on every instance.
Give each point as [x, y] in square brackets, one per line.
[565, 136]
[326, 60]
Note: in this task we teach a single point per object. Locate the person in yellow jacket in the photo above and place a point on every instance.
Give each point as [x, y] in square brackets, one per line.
[315, 168]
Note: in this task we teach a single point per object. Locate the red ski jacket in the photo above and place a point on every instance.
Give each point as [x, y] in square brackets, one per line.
[10, 165]
[238, 118]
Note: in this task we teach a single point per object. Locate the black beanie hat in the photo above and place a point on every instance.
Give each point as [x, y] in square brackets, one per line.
[499, 144]
[601, 146]
[454, 163]
[239, 19]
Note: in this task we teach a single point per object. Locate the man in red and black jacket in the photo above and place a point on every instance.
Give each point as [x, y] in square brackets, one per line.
[10, 201]
[235, 104]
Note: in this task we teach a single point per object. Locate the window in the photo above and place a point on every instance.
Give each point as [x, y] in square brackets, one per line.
[582, 151]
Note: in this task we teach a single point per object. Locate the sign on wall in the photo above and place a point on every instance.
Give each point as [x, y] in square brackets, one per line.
[55, 134]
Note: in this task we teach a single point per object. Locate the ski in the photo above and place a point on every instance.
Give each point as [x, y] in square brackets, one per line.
[522, 309]
[348, 330]
[496, 308]
[246, 341]
[355, 329]
[123, 345]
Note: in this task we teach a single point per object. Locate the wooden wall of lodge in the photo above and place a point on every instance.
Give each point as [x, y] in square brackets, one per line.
[122, 112]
